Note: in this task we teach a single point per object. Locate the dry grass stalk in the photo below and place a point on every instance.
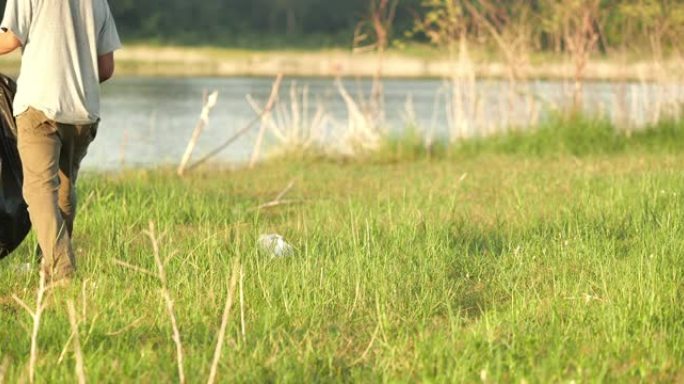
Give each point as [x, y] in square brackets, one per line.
[290, 123]
[265, 116]
[134, 268]
[168, 301]
[36, 315]
[78, 353]
[3, 369]
[279, 199]
[243, 328]
[370, 345]
[461, 106]
[237, 271]
[209, 104]
[62, 355]
[84, 300]
[361, 134]
[126, 328]
[260, 136]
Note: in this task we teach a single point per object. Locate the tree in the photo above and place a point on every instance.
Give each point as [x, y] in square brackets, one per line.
[446, 24]
[660, 21]
[376, 28]
[576, 26]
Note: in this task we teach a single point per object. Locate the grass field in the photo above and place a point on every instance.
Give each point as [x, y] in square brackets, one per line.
[551, 257]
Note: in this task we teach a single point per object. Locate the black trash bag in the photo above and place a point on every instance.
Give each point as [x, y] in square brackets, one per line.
[14, 218]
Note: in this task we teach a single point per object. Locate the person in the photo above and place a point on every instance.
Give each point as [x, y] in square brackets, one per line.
[67, 51]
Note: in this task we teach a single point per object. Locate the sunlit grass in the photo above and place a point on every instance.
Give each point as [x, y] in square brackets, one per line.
[484, 263]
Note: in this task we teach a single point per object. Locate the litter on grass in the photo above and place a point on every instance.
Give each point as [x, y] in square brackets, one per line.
[275, 245]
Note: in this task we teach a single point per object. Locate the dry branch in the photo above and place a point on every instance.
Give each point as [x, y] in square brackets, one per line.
[275, 204]
[271, 103]
[133, 267]
[266, 120]
[279, 198]
[201, 124]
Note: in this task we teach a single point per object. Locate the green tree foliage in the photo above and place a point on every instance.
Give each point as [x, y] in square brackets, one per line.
[656, 24]
[319, 22]
[648, 24]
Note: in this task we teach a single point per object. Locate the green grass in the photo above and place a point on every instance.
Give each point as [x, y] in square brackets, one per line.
[549, 257]
[581, 136]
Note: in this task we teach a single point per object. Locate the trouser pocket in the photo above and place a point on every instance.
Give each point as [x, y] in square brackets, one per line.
[35, 122]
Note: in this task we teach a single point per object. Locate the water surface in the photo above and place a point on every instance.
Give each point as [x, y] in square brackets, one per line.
[147, 121]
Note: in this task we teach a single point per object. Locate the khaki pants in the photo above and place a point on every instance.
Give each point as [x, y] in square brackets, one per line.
[51, 155]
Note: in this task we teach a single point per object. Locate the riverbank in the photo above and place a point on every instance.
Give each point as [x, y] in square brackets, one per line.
[146, 60]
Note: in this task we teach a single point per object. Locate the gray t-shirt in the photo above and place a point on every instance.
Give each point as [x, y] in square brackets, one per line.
[61, 40]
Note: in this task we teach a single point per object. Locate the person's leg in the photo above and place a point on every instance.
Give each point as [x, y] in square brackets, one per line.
[75, 142]
[39, 147]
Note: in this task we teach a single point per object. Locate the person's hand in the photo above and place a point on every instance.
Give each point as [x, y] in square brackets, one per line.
[105, 64]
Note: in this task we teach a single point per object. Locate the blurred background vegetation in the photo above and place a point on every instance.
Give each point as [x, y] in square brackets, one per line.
[266, 24]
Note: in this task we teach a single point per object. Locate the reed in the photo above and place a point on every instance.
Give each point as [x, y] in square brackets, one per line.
[78, 353]
[36, 315]
[168, 301]
[224, 321]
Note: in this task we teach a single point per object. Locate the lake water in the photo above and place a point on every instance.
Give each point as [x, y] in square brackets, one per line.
[147, 122]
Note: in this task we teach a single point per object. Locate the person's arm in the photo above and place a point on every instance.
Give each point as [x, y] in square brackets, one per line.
[105, 64]
[15, 26]
[108, 41]
[8, 42]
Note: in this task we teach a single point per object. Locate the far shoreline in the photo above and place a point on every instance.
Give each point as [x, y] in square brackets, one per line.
[146, 60]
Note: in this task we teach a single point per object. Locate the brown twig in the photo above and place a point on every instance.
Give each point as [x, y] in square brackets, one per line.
[285, 191]
[169, 303]
[224, 321]
[23, 305]
[278, 201]
[275, 204]
[134, 268]
[78, 353]
[370, 345]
